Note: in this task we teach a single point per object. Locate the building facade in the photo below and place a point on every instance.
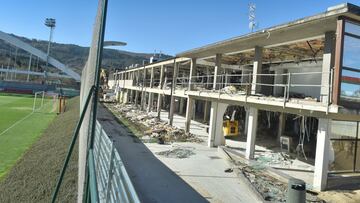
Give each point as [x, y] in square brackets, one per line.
[299, 80]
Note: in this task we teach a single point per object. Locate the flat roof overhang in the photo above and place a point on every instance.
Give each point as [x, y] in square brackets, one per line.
[305, 28]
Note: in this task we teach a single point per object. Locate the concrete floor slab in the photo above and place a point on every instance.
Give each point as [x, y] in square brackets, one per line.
[204, 171]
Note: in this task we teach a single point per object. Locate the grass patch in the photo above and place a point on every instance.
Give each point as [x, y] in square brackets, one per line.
[20, 128]
[33, 177]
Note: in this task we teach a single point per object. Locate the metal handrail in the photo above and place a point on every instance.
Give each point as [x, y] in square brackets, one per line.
[113, 181]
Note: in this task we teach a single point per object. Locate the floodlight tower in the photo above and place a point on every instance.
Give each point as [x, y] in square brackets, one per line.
[252, 23]
[49, 22]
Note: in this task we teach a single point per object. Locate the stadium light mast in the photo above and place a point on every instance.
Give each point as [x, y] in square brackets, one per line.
[51, 23]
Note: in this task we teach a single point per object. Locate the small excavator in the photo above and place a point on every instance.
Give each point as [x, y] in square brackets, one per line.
[230, 125]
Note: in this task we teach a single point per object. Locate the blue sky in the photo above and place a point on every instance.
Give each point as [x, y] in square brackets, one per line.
[147, 25]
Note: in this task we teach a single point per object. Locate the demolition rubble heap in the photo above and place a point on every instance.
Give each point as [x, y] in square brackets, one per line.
[155, 128]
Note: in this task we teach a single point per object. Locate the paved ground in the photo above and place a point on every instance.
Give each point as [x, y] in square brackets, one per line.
[199, 129]
[153, 181]
[204, 171]
[198, 178]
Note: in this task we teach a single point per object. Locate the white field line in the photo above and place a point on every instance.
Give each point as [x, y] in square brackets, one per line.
[17, 122]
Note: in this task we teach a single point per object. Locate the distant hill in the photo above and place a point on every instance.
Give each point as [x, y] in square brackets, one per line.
[71, 55]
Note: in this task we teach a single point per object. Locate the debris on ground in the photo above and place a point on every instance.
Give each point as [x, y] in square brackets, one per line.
[228, 170]
[270, 188]
[177, 152]
[157, 129]
[275, 158]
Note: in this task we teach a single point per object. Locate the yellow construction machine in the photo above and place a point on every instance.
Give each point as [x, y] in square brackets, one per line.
[230, 125]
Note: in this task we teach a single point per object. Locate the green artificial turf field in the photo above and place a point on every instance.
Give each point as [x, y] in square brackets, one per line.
[20, 126]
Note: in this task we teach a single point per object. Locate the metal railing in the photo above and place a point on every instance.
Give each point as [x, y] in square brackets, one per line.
[244, 84]
[113, 182]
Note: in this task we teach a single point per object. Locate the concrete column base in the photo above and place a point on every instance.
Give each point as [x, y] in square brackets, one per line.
[181, 106]
[251, 133]
[159, 104]
[172, 108]
[216, 134]
[189, 110]
[150, 102]
[136, 97]
[322, 155]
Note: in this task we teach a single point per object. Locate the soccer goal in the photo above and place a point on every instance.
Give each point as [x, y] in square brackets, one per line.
[45, 102]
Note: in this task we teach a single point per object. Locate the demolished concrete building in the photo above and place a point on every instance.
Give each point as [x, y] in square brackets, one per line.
[298, 83]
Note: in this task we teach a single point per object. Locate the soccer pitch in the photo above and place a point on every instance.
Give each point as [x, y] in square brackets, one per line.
[20, 126]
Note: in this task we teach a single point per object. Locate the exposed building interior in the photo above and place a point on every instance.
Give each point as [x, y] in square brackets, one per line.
[287, 96]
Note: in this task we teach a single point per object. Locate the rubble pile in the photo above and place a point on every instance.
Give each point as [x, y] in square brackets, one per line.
[275, 158]
[270, 188]
[177, 152]
[156, 128]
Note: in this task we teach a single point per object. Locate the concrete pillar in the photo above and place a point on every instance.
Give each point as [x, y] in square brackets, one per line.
[172, 101]
[322, 155]
[125, 96]
[189, 111]
[281, 127]
[216, 134]
[206, 111]
[192, 73]
[151, 77]
[181, 105]
[150, 102]
[257, 69]
[121, 96]
[328, 63]
[136, 97]
[159, 104]
[217, 71]
[131, 97]
[142, 100]
[246, 125]
[138, 78]
[251, 134]
[161, 77]
[193, 111]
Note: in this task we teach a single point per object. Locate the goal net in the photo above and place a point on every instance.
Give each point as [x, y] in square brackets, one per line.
[45, 102]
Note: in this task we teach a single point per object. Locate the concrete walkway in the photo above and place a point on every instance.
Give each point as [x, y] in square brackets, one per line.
[204, 171]
[199, 129]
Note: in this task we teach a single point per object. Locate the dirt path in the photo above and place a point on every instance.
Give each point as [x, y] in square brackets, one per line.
[33, 177]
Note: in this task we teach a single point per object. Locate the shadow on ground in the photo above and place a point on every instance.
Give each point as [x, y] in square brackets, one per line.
[153, 181]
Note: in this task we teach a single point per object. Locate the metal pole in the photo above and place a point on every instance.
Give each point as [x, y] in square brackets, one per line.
[71, 147]
[97, 72]
[49, 44]
[95, 97]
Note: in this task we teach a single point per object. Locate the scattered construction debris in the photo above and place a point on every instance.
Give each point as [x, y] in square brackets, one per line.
[155, 128]
[177, 152]
[269, 187]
